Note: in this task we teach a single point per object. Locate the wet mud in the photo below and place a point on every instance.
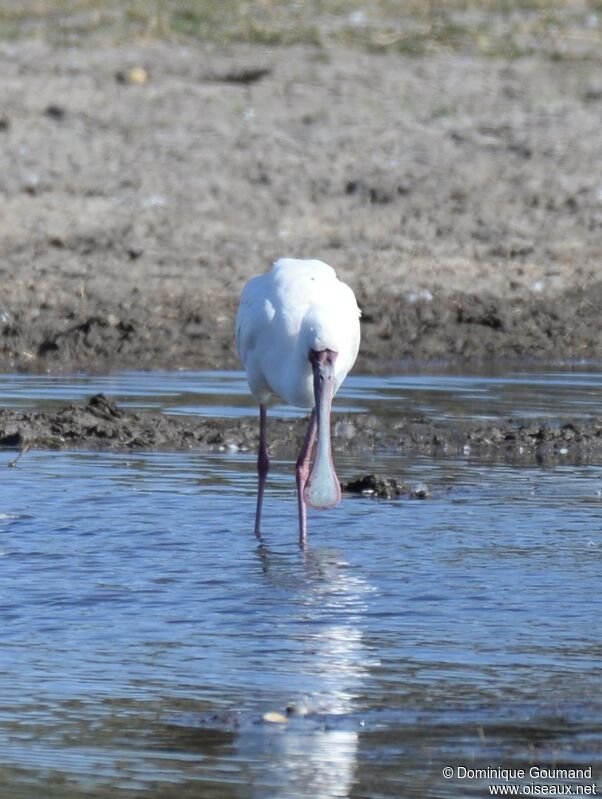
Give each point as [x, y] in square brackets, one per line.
[102, 424]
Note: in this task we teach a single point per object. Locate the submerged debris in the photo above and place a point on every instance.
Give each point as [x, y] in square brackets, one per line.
[373, 485]
[420, 491]
[386, 487]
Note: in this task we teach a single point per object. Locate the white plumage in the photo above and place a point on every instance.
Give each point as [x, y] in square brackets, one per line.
[298, 308]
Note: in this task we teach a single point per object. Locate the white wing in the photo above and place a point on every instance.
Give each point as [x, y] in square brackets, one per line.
[254, 313]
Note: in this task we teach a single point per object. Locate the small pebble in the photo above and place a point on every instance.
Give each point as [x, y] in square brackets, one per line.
[152, 201]
[273, 717]
[422, 294]
[420, 491]
[134, 75]
[54, 111]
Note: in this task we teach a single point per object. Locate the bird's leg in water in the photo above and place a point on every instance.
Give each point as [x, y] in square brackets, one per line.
[302, 472]
[263, 464]
[322, 489]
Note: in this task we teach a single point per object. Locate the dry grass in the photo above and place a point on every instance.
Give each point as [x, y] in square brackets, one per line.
[497, 28]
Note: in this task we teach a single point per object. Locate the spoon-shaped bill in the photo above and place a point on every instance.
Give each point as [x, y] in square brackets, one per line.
[322, 489]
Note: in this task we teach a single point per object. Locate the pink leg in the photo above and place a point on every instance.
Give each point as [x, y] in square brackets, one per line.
[302, 471]
[263, 465]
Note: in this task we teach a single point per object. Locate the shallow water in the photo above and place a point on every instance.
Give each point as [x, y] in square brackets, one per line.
[567, 391]
[146, 633]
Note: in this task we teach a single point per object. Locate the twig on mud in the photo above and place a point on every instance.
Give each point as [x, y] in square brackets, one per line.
[12, 464]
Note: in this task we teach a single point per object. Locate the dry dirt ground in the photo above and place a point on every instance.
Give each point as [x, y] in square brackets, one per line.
[460, 195]
[141, 185]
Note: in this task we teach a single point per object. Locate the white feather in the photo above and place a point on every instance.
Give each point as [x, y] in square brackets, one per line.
[298, 306]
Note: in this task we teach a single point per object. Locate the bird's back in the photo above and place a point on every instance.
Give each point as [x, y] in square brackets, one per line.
[299, 305]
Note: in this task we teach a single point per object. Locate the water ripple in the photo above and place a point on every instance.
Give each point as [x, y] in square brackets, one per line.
[145, 633]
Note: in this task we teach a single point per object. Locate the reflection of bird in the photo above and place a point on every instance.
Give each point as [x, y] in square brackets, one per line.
[298, 333]
[308, 746]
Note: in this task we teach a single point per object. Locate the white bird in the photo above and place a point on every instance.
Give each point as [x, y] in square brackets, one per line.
[298, 334]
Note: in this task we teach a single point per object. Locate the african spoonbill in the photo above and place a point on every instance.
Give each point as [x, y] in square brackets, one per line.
[298, 334]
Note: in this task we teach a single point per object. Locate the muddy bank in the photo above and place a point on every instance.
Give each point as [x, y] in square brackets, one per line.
[455, 194]
[103, 425]
[446, 327]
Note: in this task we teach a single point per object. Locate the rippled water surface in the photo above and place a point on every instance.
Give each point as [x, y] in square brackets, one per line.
[568, 391]
[150, 646]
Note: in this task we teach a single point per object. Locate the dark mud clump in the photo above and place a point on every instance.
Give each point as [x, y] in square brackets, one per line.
[376, 486]
[100, 424]
[386, 488]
